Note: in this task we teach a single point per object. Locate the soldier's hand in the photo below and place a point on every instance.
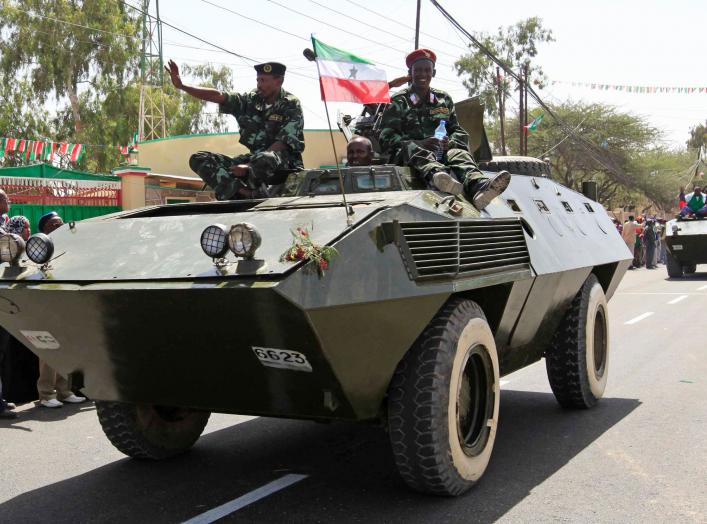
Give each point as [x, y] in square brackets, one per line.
[431, 143]
[240, 170]
[173, 71]
[444, 143]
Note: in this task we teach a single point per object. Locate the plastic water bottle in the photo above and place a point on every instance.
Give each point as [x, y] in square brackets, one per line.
[440, 133]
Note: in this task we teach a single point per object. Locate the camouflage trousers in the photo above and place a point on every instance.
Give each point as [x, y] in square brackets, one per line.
[267, 168]
[424, 163]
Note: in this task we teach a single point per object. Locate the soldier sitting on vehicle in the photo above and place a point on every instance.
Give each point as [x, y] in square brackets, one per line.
[271, 127]
[359, 151]
[695, 204]
[407, 128]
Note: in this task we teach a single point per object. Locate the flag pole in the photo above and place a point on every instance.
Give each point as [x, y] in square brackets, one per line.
[333, 146]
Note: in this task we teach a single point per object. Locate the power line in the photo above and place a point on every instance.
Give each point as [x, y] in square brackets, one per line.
[66, 22]
[349, 17]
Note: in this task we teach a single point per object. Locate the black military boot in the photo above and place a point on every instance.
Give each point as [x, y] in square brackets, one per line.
[482, 191]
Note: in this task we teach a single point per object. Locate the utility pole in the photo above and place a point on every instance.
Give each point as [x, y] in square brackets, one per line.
[417, 25]
[501, 109]
[525, 108]
[521, 114]
[152, 117]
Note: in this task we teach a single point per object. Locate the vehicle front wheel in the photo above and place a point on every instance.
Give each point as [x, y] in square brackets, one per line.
[150, 432]
[689, 269]
[673, 266]
[577, 360]
[443, 402]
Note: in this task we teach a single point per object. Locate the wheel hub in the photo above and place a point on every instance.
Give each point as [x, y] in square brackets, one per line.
[475, 401]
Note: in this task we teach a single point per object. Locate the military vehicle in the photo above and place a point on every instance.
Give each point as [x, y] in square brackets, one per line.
[403, 305]
[686, 243]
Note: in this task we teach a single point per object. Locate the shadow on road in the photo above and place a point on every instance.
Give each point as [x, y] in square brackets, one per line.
[352, 477]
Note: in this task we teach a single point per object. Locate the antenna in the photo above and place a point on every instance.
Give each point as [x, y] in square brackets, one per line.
[311, 56]
[152, 118]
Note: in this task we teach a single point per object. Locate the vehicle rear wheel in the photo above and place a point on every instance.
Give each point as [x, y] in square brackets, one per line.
[145, 431]
[689, 269]
[443, 402]
[577, 360]
[673, 266]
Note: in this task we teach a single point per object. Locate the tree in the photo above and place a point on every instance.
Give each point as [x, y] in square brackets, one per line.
[516, 47]
[698, 136]
[620, 151]
[60, 46]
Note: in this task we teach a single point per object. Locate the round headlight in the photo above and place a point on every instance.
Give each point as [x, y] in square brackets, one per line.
[11, 247]
[214, 240]
[243, 240]
[40, 248]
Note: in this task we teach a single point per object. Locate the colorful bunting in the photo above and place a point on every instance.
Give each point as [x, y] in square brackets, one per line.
[633, 88]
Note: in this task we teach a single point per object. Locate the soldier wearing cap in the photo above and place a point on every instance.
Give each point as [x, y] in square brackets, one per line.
[271, 127]
[407, 135]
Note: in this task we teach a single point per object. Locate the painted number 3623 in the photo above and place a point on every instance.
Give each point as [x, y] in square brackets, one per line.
[282, 358]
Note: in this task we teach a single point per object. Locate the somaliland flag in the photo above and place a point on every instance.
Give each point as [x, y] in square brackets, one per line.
[344, 77]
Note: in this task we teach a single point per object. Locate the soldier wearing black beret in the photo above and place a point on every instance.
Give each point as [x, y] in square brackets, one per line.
[271, 127]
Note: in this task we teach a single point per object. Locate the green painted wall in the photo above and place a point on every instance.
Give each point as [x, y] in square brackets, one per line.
[33, 212]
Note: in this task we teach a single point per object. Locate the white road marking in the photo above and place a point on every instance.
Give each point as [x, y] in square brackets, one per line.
[702, 288]
[678, 299]
[504, 382]
[639, 318]
[229, 507]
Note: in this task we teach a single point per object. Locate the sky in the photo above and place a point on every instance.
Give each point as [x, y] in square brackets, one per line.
[649, 42]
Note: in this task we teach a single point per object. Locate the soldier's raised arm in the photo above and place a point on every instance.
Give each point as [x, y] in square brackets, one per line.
[202, 93]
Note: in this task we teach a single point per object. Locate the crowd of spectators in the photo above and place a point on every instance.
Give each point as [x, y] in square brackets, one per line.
[645, 237]
[25, 377]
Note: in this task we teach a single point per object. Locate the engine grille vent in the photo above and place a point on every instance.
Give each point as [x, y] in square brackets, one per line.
[464, 248]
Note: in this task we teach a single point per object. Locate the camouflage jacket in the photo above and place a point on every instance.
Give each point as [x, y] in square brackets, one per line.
[407, 117]
[260, 126]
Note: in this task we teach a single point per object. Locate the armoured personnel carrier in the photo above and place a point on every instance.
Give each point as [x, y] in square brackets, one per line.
[405, 306]
[686, 243]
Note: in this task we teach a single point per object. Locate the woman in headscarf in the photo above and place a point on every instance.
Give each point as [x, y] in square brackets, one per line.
[19, 225]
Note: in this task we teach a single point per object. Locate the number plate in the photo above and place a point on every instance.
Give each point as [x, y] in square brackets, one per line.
[677, 247]
[282, 358]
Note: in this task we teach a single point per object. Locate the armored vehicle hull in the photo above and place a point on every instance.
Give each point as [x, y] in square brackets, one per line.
[159, 333]
[686, 242]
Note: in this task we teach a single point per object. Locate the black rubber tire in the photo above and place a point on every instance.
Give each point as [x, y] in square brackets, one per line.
[144, 431]
[689, 269]
[423, 423]
[517, 165]
[674, 267]
[577, 360]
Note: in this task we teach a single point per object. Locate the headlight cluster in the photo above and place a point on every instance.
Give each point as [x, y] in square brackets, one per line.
[40, 248]
[11, 247]
[242, 239]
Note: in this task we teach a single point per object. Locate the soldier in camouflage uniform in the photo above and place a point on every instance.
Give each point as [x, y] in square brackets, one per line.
[407, 135]
[271, 127]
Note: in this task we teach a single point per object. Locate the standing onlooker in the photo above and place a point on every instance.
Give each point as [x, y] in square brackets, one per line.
[629, 236]
[19, 225]
[49, 222]
[4, 209]
[52, 387]
[649, 240]
[5, 407]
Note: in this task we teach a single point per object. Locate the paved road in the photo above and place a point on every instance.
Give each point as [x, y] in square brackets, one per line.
[640, 456]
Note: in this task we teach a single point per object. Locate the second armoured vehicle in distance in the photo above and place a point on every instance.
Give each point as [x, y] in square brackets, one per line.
[686, 244]
[244, 307]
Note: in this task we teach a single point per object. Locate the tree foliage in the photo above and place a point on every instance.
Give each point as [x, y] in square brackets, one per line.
[82, 59]
[620, 151]
[698, 136]
[516, 46]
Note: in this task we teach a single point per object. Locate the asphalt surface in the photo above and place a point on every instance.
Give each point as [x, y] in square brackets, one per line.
[639, 456]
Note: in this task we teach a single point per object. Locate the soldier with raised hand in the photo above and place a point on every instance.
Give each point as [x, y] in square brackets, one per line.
[271, 127]
[407, 135]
